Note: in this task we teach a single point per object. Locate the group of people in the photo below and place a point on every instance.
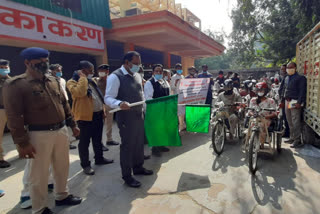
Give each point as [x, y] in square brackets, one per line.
[38, 113]
[36, 107]
[285, 92]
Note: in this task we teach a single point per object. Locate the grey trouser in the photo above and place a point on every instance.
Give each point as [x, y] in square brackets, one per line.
[294, 121]
[131, 125]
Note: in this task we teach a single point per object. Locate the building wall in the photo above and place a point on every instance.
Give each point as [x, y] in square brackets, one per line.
[92, 11]
[115, 51]
[174, 60]
[69, 61]
[150, 57]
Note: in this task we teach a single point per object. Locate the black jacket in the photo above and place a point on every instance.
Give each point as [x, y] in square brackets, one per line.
[294, 87]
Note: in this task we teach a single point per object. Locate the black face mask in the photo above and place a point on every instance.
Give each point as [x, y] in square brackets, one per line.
[41, 67]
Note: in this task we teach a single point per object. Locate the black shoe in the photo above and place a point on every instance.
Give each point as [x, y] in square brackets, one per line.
[296, 145]
[4, 164]
[104, 148]
[69, 201]
[72, 147]
[131, 182]
[146, 157]
[156, 153]
[112, 143]
[164, 149]
[47, 211]
[104, 161]
[289, 141]
[143, 171]
[50, 187]
[88, 170]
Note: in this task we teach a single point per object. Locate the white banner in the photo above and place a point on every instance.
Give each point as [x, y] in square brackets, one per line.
[193, 91]
[22, 22]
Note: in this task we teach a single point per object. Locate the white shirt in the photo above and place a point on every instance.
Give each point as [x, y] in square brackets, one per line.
[63, 87]
[112, 89]
[173, 85]
[148, 88]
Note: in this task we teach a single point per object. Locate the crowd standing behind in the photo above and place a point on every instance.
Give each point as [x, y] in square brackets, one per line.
[40, 113]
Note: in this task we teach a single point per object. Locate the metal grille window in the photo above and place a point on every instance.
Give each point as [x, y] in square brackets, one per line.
[74, 5]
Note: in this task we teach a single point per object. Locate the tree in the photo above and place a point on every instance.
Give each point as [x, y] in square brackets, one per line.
[267, 31]
[223, 61]
[216, 35]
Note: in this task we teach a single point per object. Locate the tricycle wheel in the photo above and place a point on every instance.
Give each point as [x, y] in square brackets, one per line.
[218, 137]
[254, 145]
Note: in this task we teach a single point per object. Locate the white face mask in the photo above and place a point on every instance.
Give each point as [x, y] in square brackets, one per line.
[165, 78]
[135, 68]
[102, 74]
[260, 94]
[90, 76]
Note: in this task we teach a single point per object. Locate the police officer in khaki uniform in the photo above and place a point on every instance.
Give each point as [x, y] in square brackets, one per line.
[101, 81]
[37, 114]
[4, 71]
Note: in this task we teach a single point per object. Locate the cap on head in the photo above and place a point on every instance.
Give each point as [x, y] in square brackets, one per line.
[85, 64]
[178, 65]
[220, 72]
[104, 67]
[191, 68]
[34, 53]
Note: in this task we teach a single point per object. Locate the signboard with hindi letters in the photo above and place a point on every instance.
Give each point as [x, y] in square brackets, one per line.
[193, 91]
[21, 22]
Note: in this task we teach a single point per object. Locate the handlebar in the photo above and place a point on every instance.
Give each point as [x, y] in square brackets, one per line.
[230, 105]
[262, 109]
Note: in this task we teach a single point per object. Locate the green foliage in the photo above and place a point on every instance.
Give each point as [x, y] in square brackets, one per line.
[216, 62]
[266, 31]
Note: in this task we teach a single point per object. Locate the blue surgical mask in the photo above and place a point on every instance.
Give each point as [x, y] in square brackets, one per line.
[4, 71]
[158, 76]
[59, 74]
[179, 71]
[135, 68]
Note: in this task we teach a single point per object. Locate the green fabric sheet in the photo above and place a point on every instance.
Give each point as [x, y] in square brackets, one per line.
[161, 122]
[198, 118]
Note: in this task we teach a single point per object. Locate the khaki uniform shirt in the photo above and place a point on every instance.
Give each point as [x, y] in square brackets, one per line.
[2, 81]
[30, 101]
[102, 84]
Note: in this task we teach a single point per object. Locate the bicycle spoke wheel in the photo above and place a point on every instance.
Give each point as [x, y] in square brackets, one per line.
[254, 145]
[218, 137]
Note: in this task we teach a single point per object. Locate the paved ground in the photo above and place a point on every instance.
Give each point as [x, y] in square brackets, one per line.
[189, 179]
